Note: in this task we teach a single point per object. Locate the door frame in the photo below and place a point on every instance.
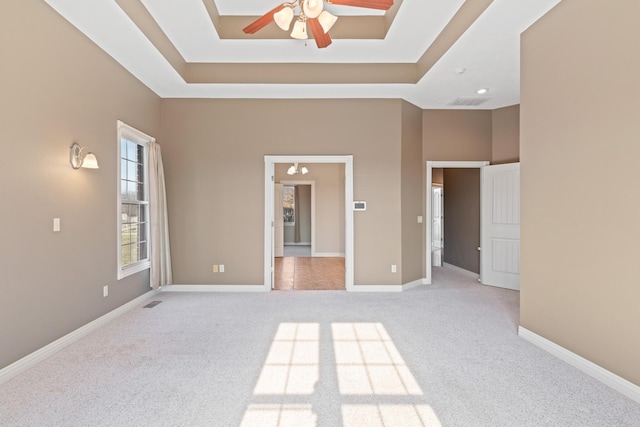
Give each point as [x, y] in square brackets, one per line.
[269, 179]
[441, 187]
[277, 222]
[313, 209]
[446, 165]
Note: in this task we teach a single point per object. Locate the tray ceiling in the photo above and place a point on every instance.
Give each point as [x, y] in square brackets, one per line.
[415, 51]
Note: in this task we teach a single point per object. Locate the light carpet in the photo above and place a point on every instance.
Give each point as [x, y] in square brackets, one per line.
[441, 355]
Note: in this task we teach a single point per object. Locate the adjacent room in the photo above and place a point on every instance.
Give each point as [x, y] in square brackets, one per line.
[309, 230]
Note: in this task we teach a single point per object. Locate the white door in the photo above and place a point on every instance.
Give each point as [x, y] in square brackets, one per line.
[278, 221]
[437, 226]
[500, 245]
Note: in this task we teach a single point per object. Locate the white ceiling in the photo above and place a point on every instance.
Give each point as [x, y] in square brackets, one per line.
[488, 50]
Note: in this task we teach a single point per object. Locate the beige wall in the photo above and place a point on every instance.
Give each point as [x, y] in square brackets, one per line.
[437, 176]
[59, 88]
[580, 122]
[329, 203]
[505, 139]
[462, 135]
[412, 194]
[214, 147]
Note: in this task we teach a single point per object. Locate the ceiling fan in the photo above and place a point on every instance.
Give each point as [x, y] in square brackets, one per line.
[310, 11]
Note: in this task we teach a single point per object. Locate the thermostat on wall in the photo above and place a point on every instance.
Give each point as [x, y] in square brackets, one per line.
[359, 206]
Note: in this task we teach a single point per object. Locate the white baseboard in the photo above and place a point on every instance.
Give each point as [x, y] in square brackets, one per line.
[461, 270]
[414, 284]
[389, 288]
[377, 288]
[214, 288]
[261, 288]
[327, 255]
[606, 377]
[50, 349]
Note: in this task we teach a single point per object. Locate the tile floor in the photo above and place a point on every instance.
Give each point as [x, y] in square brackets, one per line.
[297, 250]
[306, 273]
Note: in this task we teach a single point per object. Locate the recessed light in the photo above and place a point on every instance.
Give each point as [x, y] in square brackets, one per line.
[482, 91]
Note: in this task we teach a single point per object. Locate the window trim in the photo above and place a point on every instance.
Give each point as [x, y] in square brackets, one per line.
[126, 131]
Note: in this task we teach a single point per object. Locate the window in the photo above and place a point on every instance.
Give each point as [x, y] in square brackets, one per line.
[133, 201]
[289, 204]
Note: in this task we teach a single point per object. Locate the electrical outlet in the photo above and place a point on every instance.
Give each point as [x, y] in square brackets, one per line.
[221, 268]
[105, 290]
[56, 224]
[393, 268]
[215, 268]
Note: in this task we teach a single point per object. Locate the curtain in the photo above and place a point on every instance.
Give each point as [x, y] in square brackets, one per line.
[296, 224]
[159, 251]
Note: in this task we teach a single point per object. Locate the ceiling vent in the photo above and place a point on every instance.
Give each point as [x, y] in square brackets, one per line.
[469, 102]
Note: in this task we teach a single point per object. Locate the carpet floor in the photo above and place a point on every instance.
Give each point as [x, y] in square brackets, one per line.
[447, 354]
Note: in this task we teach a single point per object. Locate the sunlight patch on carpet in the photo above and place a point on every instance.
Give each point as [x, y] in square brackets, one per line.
[389, 416]
[368, 362]
[367, 371]
[292, 364]
[277, 415]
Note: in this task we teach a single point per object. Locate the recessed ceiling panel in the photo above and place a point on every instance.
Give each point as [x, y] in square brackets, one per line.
[182, 49]
[415, 26]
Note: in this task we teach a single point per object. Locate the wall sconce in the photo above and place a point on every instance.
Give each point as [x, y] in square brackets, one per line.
[79, 160]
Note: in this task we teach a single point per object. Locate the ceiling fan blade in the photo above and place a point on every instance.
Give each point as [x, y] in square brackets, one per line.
[322, 39]
[371, 4]
[263, 21]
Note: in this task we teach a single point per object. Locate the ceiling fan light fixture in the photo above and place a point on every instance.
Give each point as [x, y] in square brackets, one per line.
[284, 17]
[312, 8]
[327, 20]
[300, 30]
[292, 170]
[311, 12]
[304, 170]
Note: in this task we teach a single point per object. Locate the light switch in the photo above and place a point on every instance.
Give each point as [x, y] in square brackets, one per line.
[56, 224]
[419, 219]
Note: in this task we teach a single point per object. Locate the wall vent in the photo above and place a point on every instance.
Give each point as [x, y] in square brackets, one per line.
[152, 304]
[469, 101]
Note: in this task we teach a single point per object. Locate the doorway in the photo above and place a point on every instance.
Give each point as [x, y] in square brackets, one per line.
[499, 222]
[430, 204]
[297, 263]
[437, 225]
[299, 211]
[319, 261]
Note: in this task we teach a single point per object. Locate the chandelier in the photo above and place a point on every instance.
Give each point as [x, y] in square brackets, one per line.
[310, 12]
[293, 169]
